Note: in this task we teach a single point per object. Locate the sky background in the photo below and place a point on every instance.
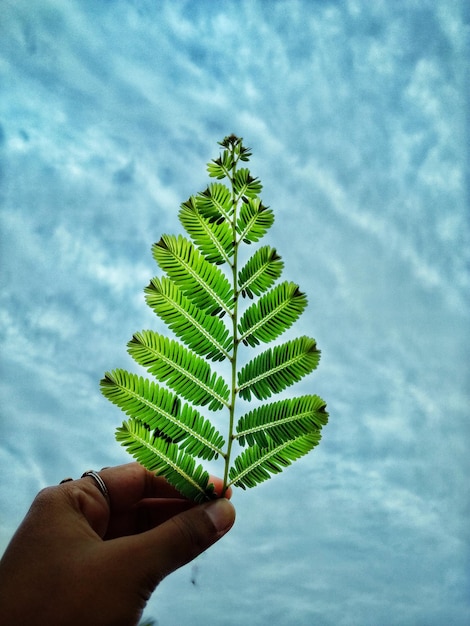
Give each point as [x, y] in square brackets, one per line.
[357, 116]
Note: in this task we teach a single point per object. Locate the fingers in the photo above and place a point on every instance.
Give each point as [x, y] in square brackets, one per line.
[138, 500]
[180, 539]
[129, 484]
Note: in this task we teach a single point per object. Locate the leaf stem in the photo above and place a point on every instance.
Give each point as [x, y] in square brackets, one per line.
[236, 341]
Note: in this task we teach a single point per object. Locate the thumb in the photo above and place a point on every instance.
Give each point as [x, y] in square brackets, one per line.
[183, 537]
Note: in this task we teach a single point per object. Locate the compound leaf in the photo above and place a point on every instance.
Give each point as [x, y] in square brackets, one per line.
[256, 464]
[281, 421]
[213, 239]
[215, 203]
[220, 167]
[201, 284]
[277, 368]
[163, 413]
[187, 374]
[245, 185]
[260, 272]
[165, 459]
[274, 313]
[254, 220]
[200, 281]
[206, 334]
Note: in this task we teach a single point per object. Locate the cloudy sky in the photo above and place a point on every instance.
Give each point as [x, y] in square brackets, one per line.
[356, 115]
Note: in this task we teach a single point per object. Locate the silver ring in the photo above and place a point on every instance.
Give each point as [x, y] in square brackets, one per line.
[99, 481]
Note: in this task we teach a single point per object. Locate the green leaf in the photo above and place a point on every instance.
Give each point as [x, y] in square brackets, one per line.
[187, 374]
[220, 168]
[260, 272]
[277, 368]
[207, 335]
[165, 459]
[254, 220]
[256, 464]
[281, 421]
[245, 185]
[203, 283]
[213, 239]
[274, 313]
[235, 144]
[215, 203]
[162, 412]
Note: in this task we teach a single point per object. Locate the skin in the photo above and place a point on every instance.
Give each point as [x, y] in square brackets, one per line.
[77, 559]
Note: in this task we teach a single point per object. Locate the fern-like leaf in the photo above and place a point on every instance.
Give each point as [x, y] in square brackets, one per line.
[256, 464]
[162, 412]
[261, 271]
[203, 283]
[254, 220]
[206, 334]
[277, 368]
[165, 459]
[187, 374]
[245, 185]
[213, 239]
[199, 298]
[281, 421]
[215, 203]
[274, 313]
[220, 168]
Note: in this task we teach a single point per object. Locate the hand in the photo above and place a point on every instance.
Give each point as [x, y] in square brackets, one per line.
[77, 560]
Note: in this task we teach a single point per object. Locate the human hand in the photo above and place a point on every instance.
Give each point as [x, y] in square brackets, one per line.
[78, 560]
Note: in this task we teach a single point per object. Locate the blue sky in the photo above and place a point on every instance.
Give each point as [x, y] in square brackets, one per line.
[357, 117]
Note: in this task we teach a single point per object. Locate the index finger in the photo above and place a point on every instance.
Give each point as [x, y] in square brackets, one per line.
[131, 483]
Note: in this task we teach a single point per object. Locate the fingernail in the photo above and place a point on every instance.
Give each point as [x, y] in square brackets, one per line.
[222, 514]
